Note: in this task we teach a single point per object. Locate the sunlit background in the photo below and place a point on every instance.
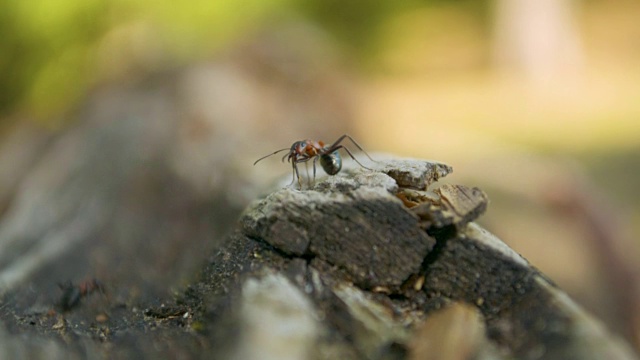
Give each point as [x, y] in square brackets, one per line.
[535, 101]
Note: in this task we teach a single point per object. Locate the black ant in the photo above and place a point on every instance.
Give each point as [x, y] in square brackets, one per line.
[330, 159]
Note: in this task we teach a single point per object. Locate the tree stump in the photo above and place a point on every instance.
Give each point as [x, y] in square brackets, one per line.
[383, 264]
[367, 264]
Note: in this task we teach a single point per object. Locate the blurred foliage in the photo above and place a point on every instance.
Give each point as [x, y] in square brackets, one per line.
[356, 22]
[360, 25]
[46, 52]
[54, 51]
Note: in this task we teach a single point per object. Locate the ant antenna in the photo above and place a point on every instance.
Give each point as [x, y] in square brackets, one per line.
[266, 156]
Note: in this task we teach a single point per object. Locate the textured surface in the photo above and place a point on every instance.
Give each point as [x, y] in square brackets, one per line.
[359, 226]
[357, 267]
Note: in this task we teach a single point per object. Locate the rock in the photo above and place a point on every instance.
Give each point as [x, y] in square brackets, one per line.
[353, 222]
[456, 332]
[414, 174]
[449, 205]
[277, 318]
[511, 309]
[360, 266]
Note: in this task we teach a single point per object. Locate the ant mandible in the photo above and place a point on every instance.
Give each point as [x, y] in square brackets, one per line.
[330, 159]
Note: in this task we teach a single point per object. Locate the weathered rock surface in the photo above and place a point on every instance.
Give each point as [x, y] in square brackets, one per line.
[368, 264]
[364, 230]
[380, 290]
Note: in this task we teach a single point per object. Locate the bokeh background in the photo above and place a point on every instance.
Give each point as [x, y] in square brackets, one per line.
[535, 101]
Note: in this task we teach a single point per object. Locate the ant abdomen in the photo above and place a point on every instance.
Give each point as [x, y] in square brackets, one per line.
[331, 163]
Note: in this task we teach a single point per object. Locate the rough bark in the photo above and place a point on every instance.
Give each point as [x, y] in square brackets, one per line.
[368, 264]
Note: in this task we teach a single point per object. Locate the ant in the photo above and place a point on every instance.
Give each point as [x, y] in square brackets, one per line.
[330, 159]
[72, 294]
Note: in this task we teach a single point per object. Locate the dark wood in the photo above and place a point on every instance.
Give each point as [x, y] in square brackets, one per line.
[361, 265]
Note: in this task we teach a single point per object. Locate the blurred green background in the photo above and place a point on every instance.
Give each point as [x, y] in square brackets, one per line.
[569, 74]
[531, 100]
[53, 52]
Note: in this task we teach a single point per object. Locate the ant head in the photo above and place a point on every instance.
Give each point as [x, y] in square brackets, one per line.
[299, 147]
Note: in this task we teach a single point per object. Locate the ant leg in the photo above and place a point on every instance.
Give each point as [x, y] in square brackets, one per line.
[295, 163]
[334, 146]
[295, 172]
[350, 154]
[306, 167]
[295, 168]
[293, 175]
[314, 169]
